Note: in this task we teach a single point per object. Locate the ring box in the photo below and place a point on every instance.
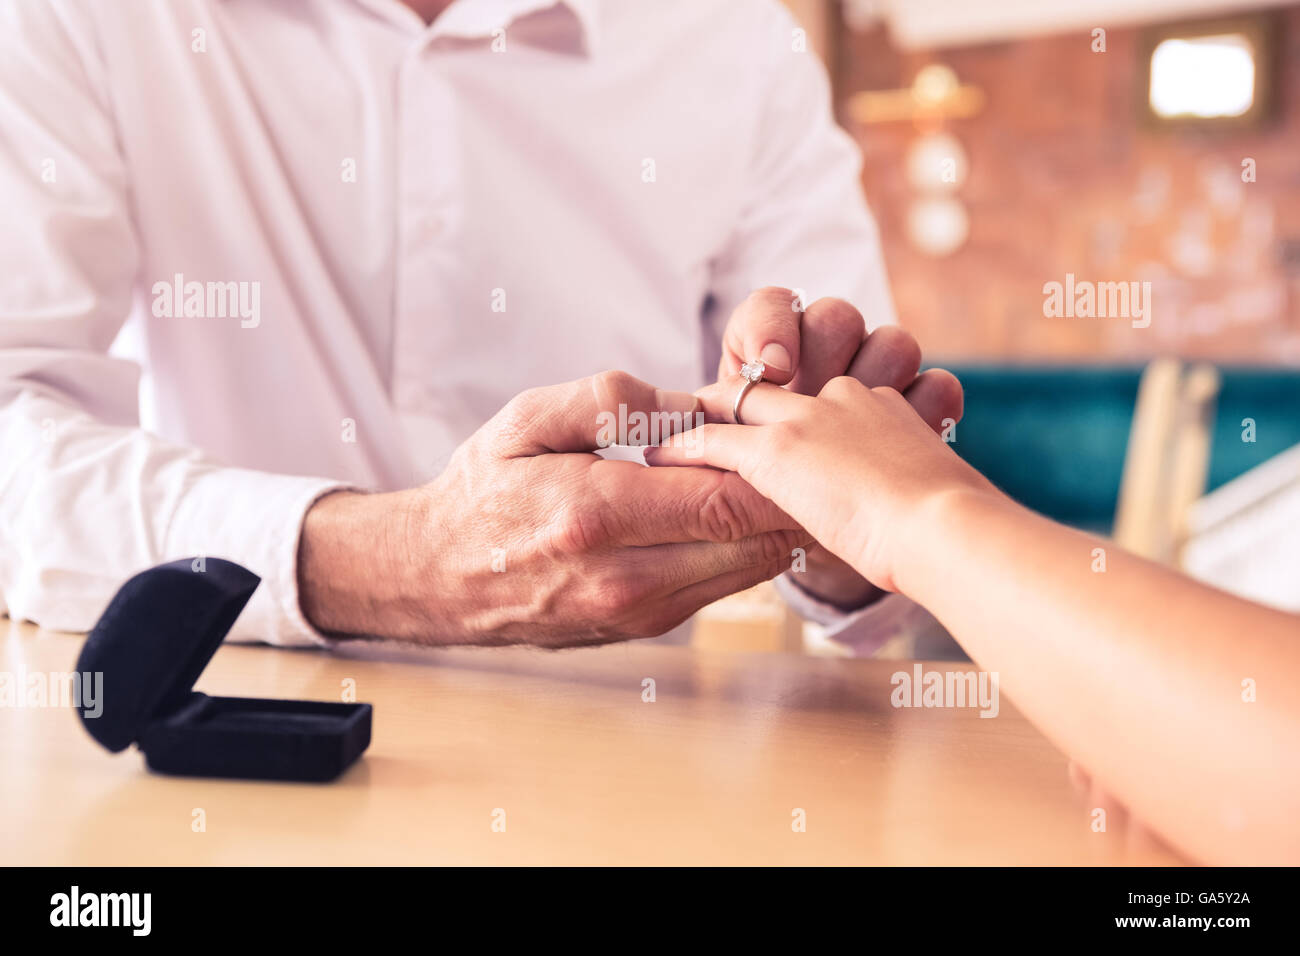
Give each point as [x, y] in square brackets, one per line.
[151, 644]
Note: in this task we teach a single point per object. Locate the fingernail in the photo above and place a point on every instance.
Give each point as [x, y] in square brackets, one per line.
[670, 401]
[651, 454]
[777, 357]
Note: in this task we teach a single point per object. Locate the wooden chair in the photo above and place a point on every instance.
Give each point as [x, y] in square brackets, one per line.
[1168, 458]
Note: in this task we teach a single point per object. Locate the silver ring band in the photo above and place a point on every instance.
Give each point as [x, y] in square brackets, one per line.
[735, 406]
[752, 372]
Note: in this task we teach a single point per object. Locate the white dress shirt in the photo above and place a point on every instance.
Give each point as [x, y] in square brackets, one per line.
[380, 231]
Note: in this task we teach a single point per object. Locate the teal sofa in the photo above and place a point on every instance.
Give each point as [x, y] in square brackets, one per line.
[1054, 437]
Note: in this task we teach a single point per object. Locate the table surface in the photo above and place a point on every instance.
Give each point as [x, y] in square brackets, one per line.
[562, 748]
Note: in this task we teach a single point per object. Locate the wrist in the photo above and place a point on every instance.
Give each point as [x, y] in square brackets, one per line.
[358, 567]
[935, 530]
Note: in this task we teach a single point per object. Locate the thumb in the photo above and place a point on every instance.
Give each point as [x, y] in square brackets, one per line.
[765, 326]
[612, 408]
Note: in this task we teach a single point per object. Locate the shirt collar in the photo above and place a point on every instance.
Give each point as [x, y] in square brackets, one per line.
[563, 25]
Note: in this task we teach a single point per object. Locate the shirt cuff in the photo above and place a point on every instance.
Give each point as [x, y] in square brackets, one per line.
[864, 631]
[254, 519]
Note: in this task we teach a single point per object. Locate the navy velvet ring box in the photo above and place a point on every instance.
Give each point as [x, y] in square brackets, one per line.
[152, 643]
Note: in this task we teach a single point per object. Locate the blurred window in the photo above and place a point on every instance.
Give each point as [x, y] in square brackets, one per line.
[1203, 76]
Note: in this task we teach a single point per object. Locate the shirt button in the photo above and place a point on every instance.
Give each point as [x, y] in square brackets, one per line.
[428, 226]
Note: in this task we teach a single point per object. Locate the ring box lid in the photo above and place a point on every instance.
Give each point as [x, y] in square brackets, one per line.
[154, 640]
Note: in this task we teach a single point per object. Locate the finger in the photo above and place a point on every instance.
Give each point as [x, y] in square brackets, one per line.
[832, 333]
[937, 397]
[652, 506]
[1079, 778]
[679, 606]
[889, 357]
[765, 326]
[1116, 814]
[588, 414]
[677, 566]
[730, 447]
[763, 404]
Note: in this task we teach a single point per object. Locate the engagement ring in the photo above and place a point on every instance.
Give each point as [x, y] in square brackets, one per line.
[752, 373]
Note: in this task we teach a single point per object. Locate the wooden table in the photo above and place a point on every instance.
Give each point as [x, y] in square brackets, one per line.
[585, 770]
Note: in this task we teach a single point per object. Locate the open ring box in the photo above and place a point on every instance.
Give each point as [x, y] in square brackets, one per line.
[151, 644]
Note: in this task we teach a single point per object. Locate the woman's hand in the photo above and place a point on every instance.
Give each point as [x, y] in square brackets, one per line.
[855, 466]
[803, 348]
[1140, 674]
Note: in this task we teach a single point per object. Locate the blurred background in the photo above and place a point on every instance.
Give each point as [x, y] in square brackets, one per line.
[1011, 144]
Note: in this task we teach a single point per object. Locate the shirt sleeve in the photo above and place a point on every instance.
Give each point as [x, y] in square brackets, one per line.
[87, 498]
[892, 620]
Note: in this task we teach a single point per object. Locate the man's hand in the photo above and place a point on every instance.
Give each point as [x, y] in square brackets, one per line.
[803, 349]
[530, 538]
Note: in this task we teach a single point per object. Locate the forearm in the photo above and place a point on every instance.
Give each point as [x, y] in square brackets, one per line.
[1135, 671]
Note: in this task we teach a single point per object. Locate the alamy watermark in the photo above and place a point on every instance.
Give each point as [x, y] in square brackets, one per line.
[84, 691]
[209, 300]
[1084, 299]
[646, 428]
[130, 910]
[921, 688]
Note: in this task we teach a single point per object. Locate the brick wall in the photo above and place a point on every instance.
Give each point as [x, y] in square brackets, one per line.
[1063, 178]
